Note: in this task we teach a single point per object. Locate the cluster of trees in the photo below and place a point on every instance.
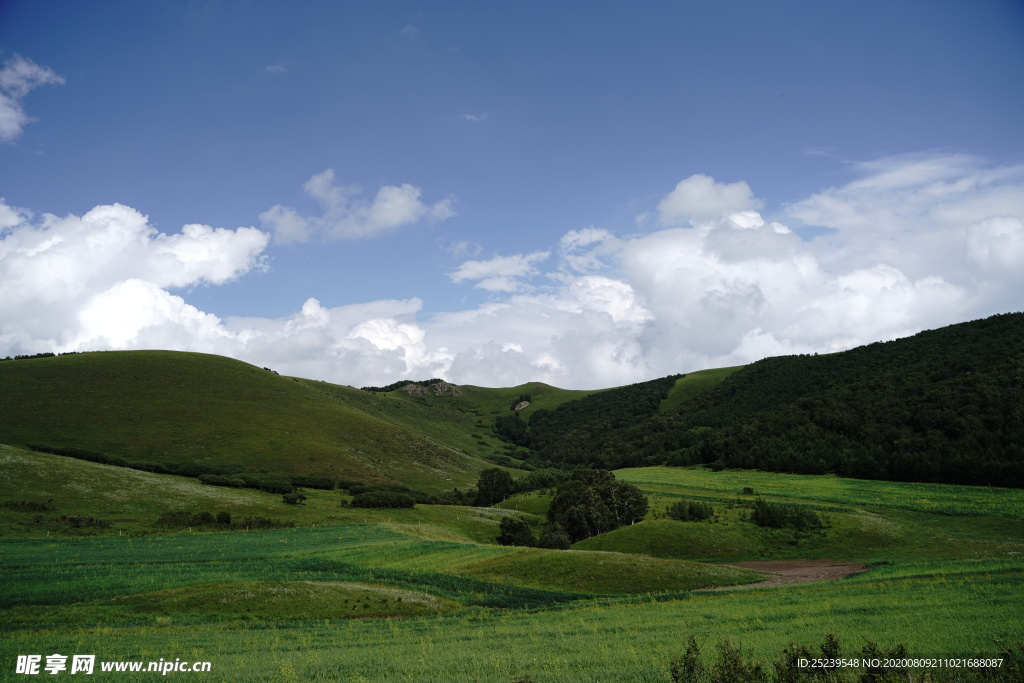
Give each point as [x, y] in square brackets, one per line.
[46, 354]
[223, 520]
[271, 483]
[495, 485]
[942, 406]
[567, 434]
[592, 502]
[587, 503]
[383, 499]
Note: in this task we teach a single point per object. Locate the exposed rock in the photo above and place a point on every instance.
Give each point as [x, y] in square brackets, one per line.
[438, 389]
[521, 405]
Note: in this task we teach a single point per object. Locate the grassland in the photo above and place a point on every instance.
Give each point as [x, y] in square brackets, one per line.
[936, 609]
[319, 601]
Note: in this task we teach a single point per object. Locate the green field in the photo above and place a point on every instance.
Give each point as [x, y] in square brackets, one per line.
[425, 594]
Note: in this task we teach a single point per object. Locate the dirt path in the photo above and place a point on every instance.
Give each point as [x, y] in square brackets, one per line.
[785, 572]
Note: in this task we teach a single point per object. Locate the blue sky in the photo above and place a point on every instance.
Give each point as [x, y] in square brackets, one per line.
[587, 193]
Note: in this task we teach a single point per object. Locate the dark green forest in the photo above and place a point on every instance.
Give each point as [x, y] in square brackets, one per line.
[944, 405]
[567, 434]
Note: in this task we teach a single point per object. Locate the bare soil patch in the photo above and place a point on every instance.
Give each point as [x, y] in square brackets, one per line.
[786, 572]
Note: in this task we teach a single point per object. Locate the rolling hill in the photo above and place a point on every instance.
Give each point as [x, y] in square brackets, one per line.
[172, 408]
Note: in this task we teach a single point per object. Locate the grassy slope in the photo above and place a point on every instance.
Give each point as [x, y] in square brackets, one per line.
[463, 422]
[163, 406]
[695, 383]
[170, 407]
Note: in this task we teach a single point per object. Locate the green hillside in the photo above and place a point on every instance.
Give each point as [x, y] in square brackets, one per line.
[170, 407]
[173, 408]
[464, 422]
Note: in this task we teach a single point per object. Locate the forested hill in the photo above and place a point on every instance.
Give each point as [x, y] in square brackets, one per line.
[568, 433]
[945, 405]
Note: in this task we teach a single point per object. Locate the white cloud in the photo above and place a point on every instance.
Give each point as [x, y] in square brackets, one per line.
[464, 248]
[501, 273]
[699, 198]
[276, 69]
[475, 118]
[18, 77]
[347, 216]
[997, 244]
[64, 280]
[727, 289]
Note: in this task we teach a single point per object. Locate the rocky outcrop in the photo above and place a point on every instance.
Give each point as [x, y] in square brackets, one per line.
[437, 389]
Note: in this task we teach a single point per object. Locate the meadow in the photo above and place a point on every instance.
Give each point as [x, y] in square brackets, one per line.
[426, 595]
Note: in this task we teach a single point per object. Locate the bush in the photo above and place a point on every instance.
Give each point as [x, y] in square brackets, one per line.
[690, 511]
[312, 481]
[383, 499]
[221, 480]
[778, 516]
[293, 498]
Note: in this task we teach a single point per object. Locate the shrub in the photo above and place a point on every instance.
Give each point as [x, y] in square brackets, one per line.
[778, 516]
[690, 511]
[293, 498]
[312, 481]
[383, 499]
[222, 480]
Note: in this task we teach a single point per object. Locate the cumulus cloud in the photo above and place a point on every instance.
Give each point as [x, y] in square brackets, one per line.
[346, 215]
[595, 310]
[501, 273]
[18, 77]
[699, 198]
[63, 281]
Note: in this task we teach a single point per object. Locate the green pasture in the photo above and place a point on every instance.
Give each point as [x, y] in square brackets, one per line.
[956, 610]
[827, 492]
[425, 594]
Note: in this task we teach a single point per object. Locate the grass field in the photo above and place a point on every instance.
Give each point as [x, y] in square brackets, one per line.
[424, 594]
